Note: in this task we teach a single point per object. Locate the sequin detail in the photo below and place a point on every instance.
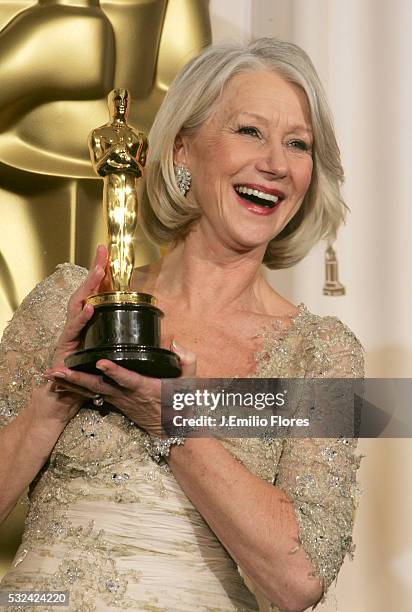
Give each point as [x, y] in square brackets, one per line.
[101, 462]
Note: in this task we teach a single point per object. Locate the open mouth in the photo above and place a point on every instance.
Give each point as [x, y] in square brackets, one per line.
[267, 200]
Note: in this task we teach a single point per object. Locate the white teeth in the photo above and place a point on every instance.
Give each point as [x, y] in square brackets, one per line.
[259, 194]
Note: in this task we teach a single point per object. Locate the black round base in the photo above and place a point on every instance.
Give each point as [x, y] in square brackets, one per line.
[145, 360]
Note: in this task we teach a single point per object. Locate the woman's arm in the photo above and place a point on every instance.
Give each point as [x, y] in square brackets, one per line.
[25, 445]
[313, 502]
[32, 414]
[253, 519]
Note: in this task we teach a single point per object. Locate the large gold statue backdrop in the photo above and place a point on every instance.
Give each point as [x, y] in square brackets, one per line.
[58, 61]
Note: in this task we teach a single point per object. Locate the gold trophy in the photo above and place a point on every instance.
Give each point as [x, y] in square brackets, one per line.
[125, 326]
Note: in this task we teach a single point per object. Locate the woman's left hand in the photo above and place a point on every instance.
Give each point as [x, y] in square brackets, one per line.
[136, 396]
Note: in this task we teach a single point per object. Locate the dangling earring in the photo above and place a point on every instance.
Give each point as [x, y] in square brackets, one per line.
[183, 179]
[332, 285]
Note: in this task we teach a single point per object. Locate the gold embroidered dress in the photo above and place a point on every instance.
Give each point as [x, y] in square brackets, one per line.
[115, 529]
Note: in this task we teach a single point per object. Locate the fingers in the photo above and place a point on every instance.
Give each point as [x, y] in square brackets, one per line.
[106, 283]
[75, 324]
[79, 382]
[187, 359]
[100, 259]
[67, 388]
[96, 274]
[124, 378]
[78, 313]
[92, 282]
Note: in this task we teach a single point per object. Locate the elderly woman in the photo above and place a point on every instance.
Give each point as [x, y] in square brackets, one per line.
[243, 169]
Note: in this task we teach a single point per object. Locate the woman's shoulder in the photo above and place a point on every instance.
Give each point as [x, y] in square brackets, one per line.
[65, 277]
[329, 328]
[306, 344]
[331, 344]
[59, 285]
[44, 308]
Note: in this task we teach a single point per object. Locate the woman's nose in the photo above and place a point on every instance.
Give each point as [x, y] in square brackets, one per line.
[274, 161]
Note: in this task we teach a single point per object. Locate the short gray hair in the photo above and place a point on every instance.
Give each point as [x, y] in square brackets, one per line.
[166, 215]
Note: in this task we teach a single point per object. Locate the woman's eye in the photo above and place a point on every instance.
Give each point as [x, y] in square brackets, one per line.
[300, 144]
[249, 130]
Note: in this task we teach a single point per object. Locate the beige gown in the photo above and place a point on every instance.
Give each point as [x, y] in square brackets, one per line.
[115, 529]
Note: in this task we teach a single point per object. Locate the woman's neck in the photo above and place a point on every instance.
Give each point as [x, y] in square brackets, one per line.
[213, 278]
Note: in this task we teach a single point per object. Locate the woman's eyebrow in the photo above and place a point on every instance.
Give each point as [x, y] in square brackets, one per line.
[252, 116]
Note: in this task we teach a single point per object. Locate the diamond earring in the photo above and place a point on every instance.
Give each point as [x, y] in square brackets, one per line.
[183, 179]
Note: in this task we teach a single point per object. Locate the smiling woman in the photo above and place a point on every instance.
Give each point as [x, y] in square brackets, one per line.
[220, 85]
[243, 169]
[233, 160]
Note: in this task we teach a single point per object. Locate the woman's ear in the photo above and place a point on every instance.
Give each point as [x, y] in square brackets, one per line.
[179, 151]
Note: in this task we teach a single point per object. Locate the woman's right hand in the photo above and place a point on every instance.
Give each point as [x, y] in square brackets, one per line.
[60, 403]
[79, 313]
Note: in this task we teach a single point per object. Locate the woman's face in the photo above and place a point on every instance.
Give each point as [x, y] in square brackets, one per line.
[251, 162]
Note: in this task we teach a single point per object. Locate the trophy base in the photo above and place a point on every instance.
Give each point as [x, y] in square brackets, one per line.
[145, 360]
[125, 328]
[334, 288]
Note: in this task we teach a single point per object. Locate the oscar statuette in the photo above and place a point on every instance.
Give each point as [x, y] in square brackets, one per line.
[125, 326]
[332, 285]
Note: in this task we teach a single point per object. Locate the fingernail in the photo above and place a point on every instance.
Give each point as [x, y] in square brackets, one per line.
[181, 350]
[60, 374]
[58, 389]
[103, 368]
